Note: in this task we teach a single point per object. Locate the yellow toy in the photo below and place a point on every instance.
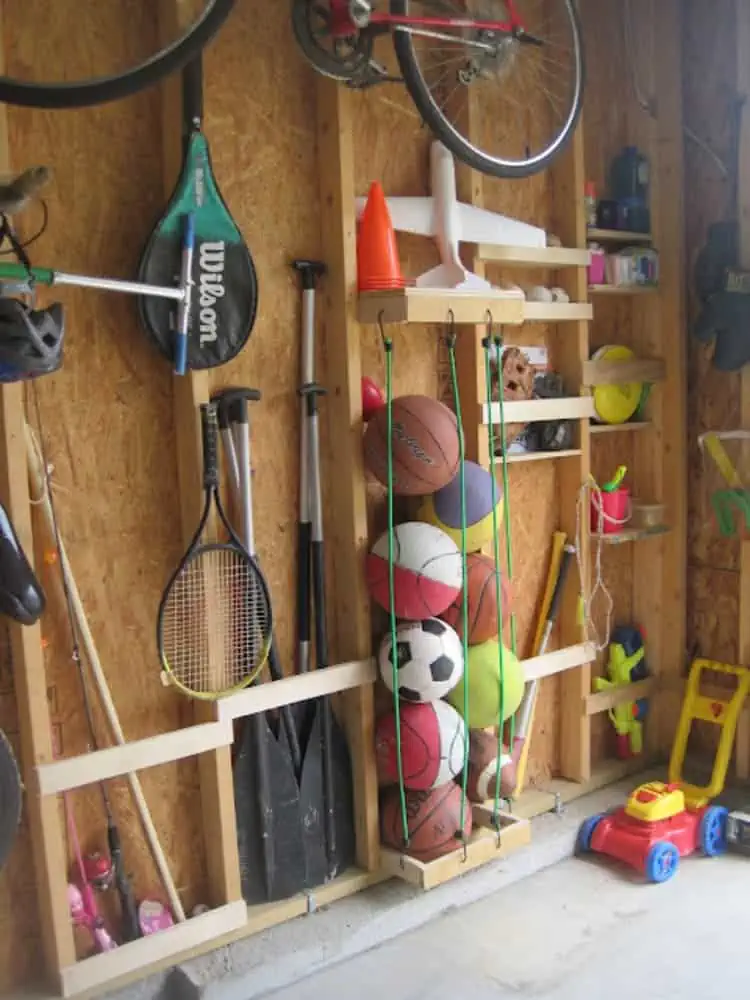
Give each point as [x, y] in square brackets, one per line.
[717, 711]
[664, 821]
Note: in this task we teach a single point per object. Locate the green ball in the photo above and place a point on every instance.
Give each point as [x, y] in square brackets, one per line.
[483, 676]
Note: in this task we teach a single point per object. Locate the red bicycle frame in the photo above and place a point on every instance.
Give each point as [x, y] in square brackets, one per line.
[342, 24]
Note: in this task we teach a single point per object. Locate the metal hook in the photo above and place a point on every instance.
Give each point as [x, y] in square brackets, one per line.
[451, 338]
[387, 342]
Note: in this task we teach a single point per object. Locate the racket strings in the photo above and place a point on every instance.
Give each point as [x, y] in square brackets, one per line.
[216, 622]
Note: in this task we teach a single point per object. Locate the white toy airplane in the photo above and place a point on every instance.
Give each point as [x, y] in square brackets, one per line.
[450, 223]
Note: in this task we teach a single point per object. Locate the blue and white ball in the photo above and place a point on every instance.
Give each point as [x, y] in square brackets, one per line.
[429, 660]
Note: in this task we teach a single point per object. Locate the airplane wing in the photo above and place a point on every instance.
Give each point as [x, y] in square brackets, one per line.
[477, 225]
[408, 215]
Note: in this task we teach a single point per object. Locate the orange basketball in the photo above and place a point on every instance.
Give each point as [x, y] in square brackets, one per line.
[433, 820]
[482, 601]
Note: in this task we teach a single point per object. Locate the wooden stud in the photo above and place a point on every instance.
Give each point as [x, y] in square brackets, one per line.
[571, 355]
[347, 530]
[190, 391]
[660, 460]
[45, 822]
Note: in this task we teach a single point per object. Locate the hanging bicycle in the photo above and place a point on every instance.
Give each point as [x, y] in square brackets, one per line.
[519, 61]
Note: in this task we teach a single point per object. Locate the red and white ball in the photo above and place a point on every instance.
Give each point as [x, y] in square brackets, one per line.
[427, 571]
[433, 743]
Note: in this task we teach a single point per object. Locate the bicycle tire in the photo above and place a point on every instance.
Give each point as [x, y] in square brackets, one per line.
[451, 138]
[86, 93]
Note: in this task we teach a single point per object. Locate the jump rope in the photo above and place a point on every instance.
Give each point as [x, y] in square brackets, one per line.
[493, 346]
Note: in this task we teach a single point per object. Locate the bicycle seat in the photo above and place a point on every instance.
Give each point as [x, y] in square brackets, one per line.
[21, 596]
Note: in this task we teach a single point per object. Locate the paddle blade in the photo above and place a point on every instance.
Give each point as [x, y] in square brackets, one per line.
[225, 290]
[269, 827]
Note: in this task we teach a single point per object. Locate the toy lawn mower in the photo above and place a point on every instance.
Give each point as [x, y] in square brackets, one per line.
[664, 821]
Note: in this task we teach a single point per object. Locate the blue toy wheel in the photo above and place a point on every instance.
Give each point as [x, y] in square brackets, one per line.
[586, 832]
[713, 831]
[662, 861]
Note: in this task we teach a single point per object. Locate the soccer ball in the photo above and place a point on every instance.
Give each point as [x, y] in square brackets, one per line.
[429, 660]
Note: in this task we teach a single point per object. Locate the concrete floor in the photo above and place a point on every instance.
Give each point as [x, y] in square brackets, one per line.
[578, 931]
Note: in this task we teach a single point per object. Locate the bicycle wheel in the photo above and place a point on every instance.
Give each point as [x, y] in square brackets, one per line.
[83, 93]
[526, 87]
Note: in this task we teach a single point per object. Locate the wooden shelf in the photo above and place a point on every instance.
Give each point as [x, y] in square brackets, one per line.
[485, 844]
[435, 305]
[620, 372]
[537, 801]
[550, 257]
[618, 236]
[557, 312]
[534, 410]
[635, 425]
[623, 289]
[542, 456]
[632, 535]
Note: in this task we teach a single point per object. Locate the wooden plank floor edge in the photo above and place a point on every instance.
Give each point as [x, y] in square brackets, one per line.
[255, 920]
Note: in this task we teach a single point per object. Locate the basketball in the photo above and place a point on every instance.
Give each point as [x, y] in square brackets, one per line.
[433, 821]
[433, 742]
[425, 445]
[427, 571]
[444, 508]
[482, 601]
[429, 660]
[484, 765]
[483, 673]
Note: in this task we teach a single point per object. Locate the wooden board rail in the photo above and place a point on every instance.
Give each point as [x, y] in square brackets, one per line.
[113, 762]
[436, 305]
[292, 690]
[543, 257]
[617, 372]
[529, 411]
[603, 701]
[559, 661]
[94, 974]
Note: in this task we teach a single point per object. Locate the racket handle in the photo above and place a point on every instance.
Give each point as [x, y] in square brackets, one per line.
[186, 285]
[210, 448]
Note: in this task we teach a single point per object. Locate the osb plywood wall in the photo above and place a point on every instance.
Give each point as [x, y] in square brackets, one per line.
[108, 416]
[710, 92]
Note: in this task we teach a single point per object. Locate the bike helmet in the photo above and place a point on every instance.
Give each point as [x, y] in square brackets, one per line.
[31, 340]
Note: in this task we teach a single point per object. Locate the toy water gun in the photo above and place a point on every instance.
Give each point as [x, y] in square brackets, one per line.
[626, 664]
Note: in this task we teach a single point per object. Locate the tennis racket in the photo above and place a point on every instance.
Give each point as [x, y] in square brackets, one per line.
[215, 620]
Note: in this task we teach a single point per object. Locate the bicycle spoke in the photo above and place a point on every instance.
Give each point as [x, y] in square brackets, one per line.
[532, 87]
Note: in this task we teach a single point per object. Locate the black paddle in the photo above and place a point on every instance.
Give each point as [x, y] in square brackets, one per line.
[10, 798]
[267, 801]
[326, 779]
[224, 297]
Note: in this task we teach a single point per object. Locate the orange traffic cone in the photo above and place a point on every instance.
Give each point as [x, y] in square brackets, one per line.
[378, 266]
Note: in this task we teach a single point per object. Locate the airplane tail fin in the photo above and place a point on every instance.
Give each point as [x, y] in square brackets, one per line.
[452, 276]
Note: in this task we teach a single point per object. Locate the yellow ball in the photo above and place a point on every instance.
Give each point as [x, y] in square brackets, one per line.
[483, 677]
[478, 534]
